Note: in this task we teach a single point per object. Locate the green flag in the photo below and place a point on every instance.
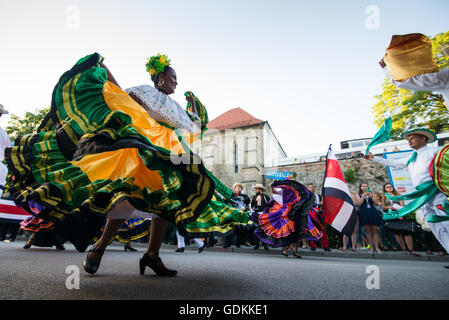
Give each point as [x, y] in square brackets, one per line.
[382, 135]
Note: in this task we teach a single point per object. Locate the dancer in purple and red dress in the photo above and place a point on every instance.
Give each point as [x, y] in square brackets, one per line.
[286, 218]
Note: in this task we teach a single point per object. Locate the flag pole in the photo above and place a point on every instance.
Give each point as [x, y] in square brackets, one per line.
[325, 171]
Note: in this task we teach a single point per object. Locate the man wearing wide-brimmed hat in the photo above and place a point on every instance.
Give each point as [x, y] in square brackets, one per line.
[418, 167]
[240, 201]
[258, 204]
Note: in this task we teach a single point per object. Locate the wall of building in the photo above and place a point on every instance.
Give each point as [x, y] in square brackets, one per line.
[225, 152]
[366, 172]
[272, 150]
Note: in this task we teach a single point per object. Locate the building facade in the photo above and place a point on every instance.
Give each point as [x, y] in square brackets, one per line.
[237, 147]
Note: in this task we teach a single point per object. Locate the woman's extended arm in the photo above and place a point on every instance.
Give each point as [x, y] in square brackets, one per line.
[191, 100]
[358, 200]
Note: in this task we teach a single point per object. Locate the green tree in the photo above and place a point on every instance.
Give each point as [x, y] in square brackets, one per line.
[350, 175]
[18, 126]
[414, 109]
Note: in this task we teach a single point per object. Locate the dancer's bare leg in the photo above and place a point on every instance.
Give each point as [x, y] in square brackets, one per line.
[157, 233]
[110, 229]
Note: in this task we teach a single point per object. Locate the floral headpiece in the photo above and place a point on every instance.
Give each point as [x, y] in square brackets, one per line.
[156, 64]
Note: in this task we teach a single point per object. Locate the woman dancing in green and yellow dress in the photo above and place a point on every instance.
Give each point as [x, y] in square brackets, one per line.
[103, 155]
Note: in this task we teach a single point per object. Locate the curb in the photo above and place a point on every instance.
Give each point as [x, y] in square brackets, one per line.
[335, 253]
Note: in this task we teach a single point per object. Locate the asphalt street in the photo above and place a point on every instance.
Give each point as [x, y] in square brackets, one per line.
[45, 273]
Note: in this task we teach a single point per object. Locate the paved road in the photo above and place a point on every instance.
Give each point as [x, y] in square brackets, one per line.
[40, 273]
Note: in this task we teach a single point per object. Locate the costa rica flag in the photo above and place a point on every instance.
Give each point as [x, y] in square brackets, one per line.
[337, 200]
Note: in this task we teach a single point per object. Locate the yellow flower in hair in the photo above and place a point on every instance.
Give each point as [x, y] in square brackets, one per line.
[163, 60]
[152, 71]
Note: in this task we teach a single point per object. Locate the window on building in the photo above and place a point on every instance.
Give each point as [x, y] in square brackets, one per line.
[236, 159]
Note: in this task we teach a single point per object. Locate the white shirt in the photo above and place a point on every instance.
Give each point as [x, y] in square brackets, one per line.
[161, 107]
[4, 143]
[418, 169]
[436, 81]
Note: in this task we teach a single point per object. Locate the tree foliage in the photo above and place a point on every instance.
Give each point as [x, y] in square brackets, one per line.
[415, 109]
[18, 126]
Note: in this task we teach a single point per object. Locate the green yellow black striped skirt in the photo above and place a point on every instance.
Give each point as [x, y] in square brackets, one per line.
[96, 148]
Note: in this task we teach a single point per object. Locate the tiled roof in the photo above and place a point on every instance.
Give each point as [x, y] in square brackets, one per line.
[234, 118]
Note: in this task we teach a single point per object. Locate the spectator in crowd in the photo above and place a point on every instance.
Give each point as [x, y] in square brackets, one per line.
[385, 235]
[353, 238]
[368, 216]
[403, 238]
[8, 228]
[258, 205]
[240, 201]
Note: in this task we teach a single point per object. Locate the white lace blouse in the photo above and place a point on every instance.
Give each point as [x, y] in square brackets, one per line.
[161, 107]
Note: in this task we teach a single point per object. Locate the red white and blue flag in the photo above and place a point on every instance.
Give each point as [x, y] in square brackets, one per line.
[337, 200]
[9, 212]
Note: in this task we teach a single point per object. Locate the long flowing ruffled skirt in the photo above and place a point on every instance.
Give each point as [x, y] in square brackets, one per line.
[97, 148]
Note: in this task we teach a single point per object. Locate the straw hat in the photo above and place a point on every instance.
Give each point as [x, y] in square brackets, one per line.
[3, 110]
[259, 186]
[237, 184]
[431, 136]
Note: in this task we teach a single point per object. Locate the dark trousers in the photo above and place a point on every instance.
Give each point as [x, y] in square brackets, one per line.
[431, 243]
[170, 234]
[8, 227]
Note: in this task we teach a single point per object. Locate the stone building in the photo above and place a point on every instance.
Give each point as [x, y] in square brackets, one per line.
[237, 147]
[372, 173]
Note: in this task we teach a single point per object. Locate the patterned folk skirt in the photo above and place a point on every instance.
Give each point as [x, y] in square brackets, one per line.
[96, 148]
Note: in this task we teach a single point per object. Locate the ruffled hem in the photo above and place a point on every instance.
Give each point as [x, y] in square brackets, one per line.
[34, 224]
[295, 217]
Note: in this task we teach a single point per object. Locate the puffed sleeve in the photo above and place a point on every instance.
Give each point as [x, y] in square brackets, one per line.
[436, 81]
[395, 163]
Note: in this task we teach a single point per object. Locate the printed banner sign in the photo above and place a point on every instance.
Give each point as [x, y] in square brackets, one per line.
[278, 175]
[400, 178]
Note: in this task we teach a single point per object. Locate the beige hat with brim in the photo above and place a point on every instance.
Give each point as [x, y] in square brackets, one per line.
[3, 110]
[431, 136]
[259, 186]
[237, 184]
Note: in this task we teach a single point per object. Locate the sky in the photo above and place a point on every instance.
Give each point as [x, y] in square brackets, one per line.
[310, 68]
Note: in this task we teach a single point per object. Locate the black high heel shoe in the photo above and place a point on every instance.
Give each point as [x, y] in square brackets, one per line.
[128, 247]
[156, 265]
[89, 266]
[27, 245]
[179, 250]
[297, 256]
